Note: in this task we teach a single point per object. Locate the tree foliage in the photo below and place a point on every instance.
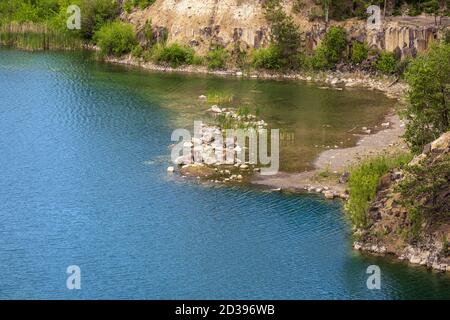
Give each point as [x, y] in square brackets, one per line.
[428, 109]
[285, 34]
[331, 49]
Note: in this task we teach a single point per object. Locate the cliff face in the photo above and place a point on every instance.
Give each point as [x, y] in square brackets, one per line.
[200, 23]
[392, 227]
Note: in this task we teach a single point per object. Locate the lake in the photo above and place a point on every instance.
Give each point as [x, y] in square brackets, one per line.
[84, 148]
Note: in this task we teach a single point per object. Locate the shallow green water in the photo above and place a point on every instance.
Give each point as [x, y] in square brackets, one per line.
[310, 117]
[83, 158]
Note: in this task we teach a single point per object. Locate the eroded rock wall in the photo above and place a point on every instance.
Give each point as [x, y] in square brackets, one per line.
[230, 23]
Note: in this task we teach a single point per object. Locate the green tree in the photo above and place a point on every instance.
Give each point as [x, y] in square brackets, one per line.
[428, 109]
[286, 36]
[432, 7]
[96, 13]
[331, 49]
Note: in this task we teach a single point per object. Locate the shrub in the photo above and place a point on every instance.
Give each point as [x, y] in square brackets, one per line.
[137, 51]
[266, 58]
[386, 63]
[363, 182]
[298, 6]
[319, 59]
[142, 4]
[148, 33]
[116, 38]
[198, 60]
[216, 58]
[359, 52]
[175, 55]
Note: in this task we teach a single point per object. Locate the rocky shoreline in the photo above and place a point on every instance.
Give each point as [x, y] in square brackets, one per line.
[389, 218]
[216, 154]
[390, 86]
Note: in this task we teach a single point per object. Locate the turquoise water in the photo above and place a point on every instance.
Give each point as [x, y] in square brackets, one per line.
[83, 157]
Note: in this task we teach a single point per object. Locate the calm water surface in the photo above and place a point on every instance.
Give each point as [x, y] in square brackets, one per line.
[83, 157]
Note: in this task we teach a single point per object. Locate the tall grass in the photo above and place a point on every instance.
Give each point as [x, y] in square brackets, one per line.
[219, 97]
[363, 182]
[34, 37]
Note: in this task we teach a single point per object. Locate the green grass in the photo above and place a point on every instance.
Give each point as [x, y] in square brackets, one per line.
[363, 182]
[219, 97]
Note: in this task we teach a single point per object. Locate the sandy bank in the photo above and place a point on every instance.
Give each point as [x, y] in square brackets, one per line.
[332, 163]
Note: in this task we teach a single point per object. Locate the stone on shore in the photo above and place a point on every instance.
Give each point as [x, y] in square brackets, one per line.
[329, 194]
[216, 109]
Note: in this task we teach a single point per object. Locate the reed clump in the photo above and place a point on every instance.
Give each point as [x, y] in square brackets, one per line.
[37, 36]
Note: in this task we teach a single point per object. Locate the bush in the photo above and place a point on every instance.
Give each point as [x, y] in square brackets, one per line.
[148, 33]
[363, 182]
[128, 5]
[319, 60]
[386, 63]
[298, 6]
[266, 58]
[198, 60]
[175, 55]
[137, 51]
[359, 52]
[116, 38]
[217, 58]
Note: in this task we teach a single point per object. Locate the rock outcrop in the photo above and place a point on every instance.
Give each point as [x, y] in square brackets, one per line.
[395, 229]
[241, 23]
